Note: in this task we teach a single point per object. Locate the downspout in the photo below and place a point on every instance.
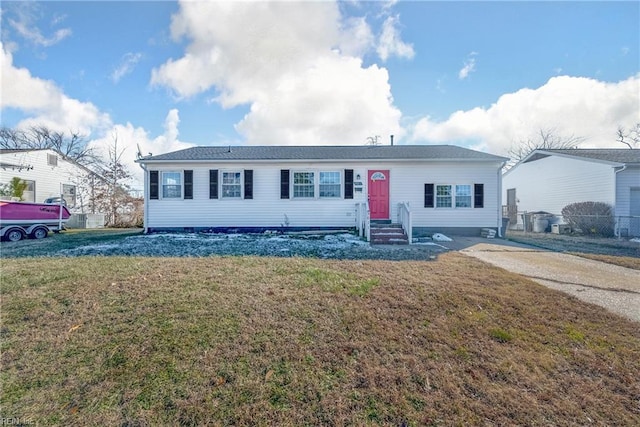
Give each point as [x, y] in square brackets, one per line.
[145, 207]
[500, 199]
[615, 196]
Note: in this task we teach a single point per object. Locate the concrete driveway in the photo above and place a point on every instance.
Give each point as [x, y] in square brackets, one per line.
[610, 286]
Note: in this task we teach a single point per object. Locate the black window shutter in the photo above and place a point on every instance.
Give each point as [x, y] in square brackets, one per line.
[248, 184]
[348, 183]
[428, 195]
[153, 185]
[478, 195]
[284, 183]
[213, 183]
[188, 184]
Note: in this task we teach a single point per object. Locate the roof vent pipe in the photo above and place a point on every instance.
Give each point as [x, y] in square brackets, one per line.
[391, 139]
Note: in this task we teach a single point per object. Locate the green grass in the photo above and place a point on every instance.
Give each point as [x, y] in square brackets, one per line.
[289, 341]
[67, 239]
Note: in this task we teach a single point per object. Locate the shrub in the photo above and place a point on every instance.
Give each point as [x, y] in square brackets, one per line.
[14, 188]
[594, 218]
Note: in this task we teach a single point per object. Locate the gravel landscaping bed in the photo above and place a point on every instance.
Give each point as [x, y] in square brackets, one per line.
[583, 244]
[331, 246]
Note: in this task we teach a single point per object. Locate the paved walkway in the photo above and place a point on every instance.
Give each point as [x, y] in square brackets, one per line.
[610, 286]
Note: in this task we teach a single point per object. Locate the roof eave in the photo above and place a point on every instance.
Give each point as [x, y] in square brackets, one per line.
[160, 161]
[569, 156]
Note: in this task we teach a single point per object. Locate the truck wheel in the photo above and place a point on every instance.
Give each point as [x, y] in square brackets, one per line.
[14, 235]
[39, 233]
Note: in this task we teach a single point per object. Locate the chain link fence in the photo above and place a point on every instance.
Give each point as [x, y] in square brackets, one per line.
[581, 225]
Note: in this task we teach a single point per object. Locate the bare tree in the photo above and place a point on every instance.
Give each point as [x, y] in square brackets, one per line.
[373, 140]
[72, 146]
[112, 195]
[630, 137]
[546, 139]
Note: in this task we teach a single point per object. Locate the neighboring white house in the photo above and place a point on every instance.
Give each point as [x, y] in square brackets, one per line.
[549, 180]
[47, 174]
[446, 188]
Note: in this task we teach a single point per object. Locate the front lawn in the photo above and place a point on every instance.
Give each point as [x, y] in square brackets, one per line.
[294, 341]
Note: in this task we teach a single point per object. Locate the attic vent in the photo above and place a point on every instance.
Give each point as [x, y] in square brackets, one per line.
[52, 160]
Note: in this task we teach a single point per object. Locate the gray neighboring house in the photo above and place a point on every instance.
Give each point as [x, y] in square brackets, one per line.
[549, 180]
[426, 188]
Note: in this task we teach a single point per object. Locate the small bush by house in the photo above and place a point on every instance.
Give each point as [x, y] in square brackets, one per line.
[591, 218]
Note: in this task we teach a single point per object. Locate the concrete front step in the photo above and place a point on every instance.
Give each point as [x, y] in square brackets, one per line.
[390, 234]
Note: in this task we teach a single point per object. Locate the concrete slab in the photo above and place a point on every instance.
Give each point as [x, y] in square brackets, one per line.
[610, 286]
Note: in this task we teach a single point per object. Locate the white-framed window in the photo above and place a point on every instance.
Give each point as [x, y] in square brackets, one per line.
[444, 196]
[29, 194]
[304, 184]
[231, 186]
[69, 194]
[463, 196]
[330, 185]
[171, 185]
[52, 159]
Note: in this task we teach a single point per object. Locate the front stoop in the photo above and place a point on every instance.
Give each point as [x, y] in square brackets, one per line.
[388, 234]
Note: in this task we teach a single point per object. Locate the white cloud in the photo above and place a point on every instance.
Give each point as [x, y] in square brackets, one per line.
[24, 23]
[335, 103]
[126, 66]
[356, 37]
[570, 106]
[296, 64]
[390, 42]
[469, 66]
[48, 106]
[130, 137]
[45, 101]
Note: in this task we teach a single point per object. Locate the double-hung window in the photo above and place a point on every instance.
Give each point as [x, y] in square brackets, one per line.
[330, 184]
[171, 185]
[231, 184]
[444, 196]
[463, 196]
[304, 184]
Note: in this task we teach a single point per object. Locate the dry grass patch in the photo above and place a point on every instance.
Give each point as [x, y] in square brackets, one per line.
[622, 261]
[246, 341]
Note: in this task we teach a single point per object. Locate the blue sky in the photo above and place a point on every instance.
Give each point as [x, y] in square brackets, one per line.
[168, 75]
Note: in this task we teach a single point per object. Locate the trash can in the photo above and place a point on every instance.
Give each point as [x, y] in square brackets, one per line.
[540, 224]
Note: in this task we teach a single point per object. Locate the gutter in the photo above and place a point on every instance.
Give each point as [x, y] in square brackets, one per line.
[500, 199]
[145, 213]
[615, 194]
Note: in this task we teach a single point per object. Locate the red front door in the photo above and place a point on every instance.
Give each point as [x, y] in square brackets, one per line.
[379, 194]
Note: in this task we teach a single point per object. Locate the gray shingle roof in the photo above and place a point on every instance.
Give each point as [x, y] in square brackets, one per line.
[379, 152]
[616, 155]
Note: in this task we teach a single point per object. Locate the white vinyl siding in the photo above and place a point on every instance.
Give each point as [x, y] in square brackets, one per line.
[627, 180]
[46, 180]
[267, 209]
[551, 183]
